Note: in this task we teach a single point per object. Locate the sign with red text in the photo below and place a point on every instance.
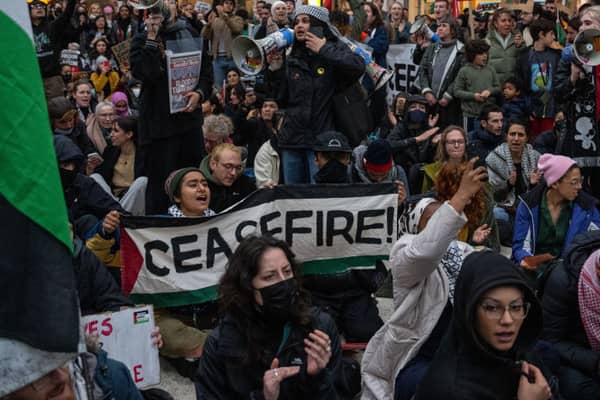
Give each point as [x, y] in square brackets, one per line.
[183, 73]
[126, 337]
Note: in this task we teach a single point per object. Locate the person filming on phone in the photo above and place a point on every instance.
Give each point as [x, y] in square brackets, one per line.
[318, 66]
[169, 141]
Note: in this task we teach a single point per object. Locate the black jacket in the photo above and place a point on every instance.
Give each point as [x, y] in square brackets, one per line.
[98, 291]
[221, 197]
[84, 195]
[310, 82]
[222, 373]
[80, 138]
[148, 64]
[50, 38]
[562, 320]
[111, 156]
[464, 366]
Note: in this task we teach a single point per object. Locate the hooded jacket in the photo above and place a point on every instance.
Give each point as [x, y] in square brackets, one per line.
[467, 368]
[584, 217]
[83, 195]
[222, 197]
[481, 142]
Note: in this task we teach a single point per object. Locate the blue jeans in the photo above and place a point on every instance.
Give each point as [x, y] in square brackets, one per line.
[220, 66]
[501, 214]
[299, 166]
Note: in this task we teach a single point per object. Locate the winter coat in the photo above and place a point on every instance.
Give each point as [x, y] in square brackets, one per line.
[504, 61]
[148, 64]
[224, 27]
[518, 107]
[50, 38]
[453, 65]
[407, 151]
[267, 165]
[578, 101]
[310, 82]
[84, 195]
[420, 295]
[111, 156]
[500, 166]
[358, 174]
[80, 138]
[223, 374]
[467, 368]
[378, 40]
[222, 197]
[252, 134]
[97, 289]
[562, 318]
[584, 217]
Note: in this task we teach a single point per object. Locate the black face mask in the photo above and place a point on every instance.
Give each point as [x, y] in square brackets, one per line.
[67, 78]
[278, 300]
[67, 177]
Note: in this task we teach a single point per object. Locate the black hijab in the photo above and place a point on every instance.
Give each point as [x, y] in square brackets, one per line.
[465, 367]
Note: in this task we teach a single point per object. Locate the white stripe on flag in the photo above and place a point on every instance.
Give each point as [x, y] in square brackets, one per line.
[19, 12]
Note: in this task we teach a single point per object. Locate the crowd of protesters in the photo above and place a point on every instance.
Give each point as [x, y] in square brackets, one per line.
[494, 148]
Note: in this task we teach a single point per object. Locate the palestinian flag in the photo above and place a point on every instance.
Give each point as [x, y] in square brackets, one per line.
[38, 299]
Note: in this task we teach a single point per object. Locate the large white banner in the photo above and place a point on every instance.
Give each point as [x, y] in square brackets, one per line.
[399, 58]
[330, 228]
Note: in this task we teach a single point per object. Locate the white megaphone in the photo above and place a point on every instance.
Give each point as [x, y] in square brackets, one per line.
[377, 73]
[586, 47]
[250, 56]
[421, 27]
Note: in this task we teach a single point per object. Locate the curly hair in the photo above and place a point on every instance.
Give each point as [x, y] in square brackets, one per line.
[446, 185]
[236, 295]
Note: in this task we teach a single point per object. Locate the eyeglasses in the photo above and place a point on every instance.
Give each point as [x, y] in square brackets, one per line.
[576, 182]
[37, 5]
[496, 311]
[231, 167]
[457, 142]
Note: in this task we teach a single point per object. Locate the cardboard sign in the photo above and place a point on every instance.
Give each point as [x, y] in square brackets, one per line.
[184, 73]
[126, 337]
[121, 52]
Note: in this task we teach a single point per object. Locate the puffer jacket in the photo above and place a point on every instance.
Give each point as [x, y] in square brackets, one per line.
[504, 61]
[420, 294]
[584, 217]
[311, 81]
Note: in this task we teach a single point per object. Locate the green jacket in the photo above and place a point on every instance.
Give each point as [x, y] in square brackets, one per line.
[473, 79]
[504, 61]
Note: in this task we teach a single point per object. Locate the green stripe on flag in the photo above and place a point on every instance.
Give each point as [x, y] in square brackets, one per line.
[203, 295]
[29, 177]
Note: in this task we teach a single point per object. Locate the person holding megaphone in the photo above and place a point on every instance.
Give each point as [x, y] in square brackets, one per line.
[577, 92]
[319, 65]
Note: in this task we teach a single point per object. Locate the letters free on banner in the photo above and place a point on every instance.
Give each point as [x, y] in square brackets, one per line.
[330, 228]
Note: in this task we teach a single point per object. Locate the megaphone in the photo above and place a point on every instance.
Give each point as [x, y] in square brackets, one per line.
[586, 47]
[421, 27]
[250, 56]
[377, 73]
[143, 4]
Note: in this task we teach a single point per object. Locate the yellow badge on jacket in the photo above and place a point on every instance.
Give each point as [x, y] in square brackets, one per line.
[320, 70]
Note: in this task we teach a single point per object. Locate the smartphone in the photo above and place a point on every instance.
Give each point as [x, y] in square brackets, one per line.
[95, 156]
[317, 31]
[472, 152]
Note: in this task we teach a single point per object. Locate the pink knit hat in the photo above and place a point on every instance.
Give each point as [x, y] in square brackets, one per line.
[554, 167]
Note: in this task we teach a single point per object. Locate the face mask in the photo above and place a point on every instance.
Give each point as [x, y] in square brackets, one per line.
[417, 116]
[67, 177]
[278, 300]
[136, 91]
[67, 78]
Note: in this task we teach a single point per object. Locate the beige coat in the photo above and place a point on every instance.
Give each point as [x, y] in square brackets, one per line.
[224, 27]
[420, 295]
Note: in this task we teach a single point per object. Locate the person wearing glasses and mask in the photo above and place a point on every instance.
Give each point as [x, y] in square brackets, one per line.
[554, 212]
[223, 170]
[490, 349]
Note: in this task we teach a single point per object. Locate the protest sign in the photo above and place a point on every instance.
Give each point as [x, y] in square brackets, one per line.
[126, 337]
[330, 228]
[183, 73]
[69, 57]
[399, 57]
[202, 7]
[121, 52]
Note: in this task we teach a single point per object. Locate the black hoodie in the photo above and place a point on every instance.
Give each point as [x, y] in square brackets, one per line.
[467, 368]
